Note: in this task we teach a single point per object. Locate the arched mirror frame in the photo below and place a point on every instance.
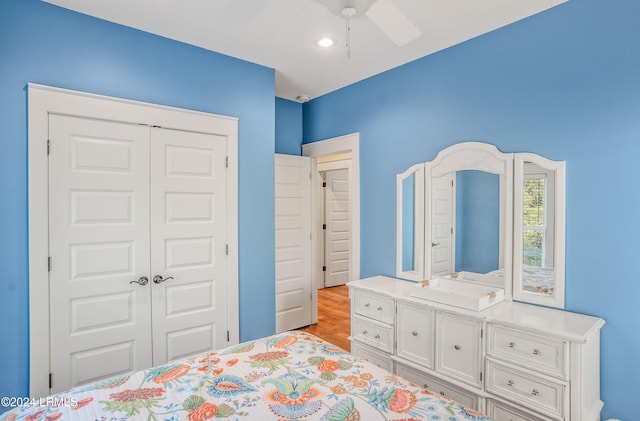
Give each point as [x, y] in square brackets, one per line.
[416, 273]
[486, 157]
[558, 168]
[480, 157]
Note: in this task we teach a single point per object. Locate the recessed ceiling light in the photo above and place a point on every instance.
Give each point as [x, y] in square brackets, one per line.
[326, 42]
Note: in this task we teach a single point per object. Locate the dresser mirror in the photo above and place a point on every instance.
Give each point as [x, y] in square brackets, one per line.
[469, 193]
[410, 225]
[479, 215]
[539, 227]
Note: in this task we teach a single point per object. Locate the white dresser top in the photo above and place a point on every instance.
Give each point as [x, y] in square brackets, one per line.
[562, 324]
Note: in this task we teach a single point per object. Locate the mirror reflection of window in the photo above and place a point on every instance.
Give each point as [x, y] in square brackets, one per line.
[534, 220]
[537, 230]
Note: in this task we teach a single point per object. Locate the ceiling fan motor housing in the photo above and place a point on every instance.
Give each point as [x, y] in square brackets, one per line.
[338, 7]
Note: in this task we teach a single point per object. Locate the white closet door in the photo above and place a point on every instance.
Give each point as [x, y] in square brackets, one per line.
[293, 241]
[338, 227]
[188, 241]
[99, 245]
[442, 240]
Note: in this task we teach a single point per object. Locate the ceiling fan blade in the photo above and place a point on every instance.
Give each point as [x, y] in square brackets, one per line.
[395, 24]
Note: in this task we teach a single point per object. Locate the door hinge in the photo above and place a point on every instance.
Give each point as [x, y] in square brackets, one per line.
[451, 230]
[226, 249]
[481, 376]
[228, 336]
[48, 147]
[481, 333]
[324, 268]
[49, 264]
[324, 184]
[50, 381]
[324, 226]
[226, 162]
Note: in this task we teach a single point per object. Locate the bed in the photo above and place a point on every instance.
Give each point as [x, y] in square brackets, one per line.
[290, 376]
[536, 279]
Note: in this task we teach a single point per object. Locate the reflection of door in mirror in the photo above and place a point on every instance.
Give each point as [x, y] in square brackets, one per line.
[408, 224]
[442, 219]
[538, 226]
[477, 222]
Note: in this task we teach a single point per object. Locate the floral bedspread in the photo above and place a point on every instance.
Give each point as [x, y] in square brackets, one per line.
[290, 376]
[537, 279]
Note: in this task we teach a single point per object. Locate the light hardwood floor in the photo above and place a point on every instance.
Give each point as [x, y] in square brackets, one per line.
[334, 312]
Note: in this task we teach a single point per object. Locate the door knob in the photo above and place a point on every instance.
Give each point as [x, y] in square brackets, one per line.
[143, 280]
[435, 244]
[158, 279]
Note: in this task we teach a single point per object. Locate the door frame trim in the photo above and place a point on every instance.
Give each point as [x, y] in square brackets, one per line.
[45, 100]
[333, 146]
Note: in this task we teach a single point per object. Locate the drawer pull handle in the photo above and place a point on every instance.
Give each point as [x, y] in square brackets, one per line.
[536, 351]
[512, 344]
[367, 305]
[442, 393]
[380, 308]
[364, 332]
[425, 386]
[510, 383]
[457, 347]
[414, 333]
[535, 392]
[377, 336]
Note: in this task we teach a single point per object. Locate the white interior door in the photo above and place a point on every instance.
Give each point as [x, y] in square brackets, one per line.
[293, 241]
[443, 213]
[99, 249]
[188, 241]
[337, 227]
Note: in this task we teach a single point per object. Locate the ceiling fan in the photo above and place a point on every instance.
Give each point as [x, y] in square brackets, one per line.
[383, 13]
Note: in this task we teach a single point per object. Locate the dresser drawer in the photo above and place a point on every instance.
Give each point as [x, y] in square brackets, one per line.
[458, 347]
[532, 351]
[378, 307]
[376, 334]
[439, 387]
[414, 333]
[371, 355]
[540, 393]
[502, 412]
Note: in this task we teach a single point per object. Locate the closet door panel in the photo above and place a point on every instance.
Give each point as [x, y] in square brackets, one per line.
[188, 242]
[99, 249]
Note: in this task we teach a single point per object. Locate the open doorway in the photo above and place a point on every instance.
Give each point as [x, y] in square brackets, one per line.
[319, 151]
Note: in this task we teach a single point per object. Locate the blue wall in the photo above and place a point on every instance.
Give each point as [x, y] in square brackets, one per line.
[45, 44]
[477, 221]
[288, 127]
[565, 84]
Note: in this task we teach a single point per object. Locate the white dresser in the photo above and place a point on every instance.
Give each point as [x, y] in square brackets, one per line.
[512, 361]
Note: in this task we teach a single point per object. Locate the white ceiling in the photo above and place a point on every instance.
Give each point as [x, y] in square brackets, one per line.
[282, 34]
